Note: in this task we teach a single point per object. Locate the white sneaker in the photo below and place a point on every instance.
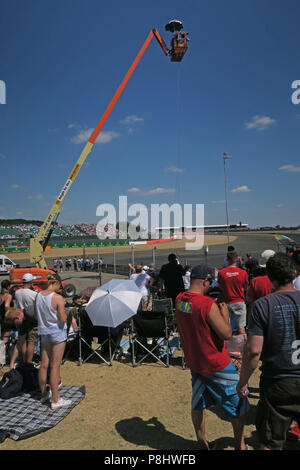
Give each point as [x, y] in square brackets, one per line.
[60, 403]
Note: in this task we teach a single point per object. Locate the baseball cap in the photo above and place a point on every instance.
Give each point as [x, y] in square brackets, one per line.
[201, 272]
[264, 257]
[145, 268]
[28, 277]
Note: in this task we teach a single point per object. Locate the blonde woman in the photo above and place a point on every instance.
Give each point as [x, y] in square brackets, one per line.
[52, 328]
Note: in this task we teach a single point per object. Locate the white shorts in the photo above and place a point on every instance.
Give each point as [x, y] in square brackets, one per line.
[238, 314]
[54, 338]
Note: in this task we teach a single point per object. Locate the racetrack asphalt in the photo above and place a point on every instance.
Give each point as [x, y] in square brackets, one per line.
[253, 243]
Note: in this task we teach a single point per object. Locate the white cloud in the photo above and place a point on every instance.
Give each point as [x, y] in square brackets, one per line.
[37, 196]
[151, 191]
[241, 189]
[19, 213]
[174, 169]
[260, 123]
[291, 168]
[16, 186]
[134, 190]
[82, 136]
[2, 156]
[103, 138]
[279, 205]
[160, 191]
[132, 119]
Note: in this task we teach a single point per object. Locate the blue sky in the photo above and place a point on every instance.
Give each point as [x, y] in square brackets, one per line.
[62, 61]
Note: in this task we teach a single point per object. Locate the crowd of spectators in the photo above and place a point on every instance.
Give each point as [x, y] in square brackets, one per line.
[269, 287]
[77, 263]
[77, 230]
[258, 299]
[28, 231]
[87, 229]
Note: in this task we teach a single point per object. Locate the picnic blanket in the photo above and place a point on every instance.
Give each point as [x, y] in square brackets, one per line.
[25, 416]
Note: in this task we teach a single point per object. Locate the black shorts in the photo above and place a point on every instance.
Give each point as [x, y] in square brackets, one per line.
[28, 329]
[279, 404]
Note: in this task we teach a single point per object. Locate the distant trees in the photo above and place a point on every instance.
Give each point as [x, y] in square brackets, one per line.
[8, 222]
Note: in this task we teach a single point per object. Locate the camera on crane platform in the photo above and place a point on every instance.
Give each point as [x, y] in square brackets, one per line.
[179, 41]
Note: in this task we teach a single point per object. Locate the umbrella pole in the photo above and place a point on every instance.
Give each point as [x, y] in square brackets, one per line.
[132, 344]
[109, 346]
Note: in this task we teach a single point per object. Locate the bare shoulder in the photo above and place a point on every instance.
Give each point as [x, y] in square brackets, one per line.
[57, 299]
[214, 309]
[57, 296]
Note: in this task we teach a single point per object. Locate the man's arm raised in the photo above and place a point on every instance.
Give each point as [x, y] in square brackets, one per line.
[218, 319]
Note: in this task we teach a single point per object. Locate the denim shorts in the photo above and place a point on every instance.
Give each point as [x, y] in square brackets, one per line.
[54, 338]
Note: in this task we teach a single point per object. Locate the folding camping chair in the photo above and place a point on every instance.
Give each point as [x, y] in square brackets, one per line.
[163, 306]
[101, 335]
[166, 305]
[149, 336]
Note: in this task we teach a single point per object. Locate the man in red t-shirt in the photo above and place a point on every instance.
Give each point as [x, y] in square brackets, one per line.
[261, 284]
[233, 282]
[203, 327]
[260, 287]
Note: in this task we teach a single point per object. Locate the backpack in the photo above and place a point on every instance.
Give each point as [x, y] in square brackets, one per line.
[11, 384]
[30, 376]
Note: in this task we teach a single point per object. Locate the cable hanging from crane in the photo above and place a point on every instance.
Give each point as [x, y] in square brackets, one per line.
[179, 45]
[178, 140]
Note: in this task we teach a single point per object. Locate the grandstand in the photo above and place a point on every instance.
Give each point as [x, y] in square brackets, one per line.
[86, 229]
[19, 234]
[28, 231]
[9, 232]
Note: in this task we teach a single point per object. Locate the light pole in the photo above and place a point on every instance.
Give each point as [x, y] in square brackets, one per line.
[226, 157]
